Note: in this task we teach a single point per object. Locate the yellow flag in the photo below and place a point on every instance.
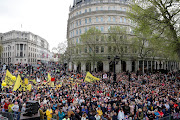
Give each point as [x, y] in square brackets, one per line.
[8, 79]
[49, 78]
[29, 87]
[18, 83]
[26, 81]
[90, 78]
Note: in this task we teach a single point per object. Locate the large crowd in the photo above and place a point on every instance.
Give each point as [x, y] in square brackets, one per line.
[137, 97]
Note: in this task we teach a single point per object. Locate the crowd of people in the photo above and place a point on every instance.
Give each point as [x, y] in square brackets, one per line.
[140, 97]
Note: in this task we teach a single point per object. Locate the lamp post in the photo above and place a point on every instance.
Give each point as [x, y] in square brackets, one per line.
[114, 63]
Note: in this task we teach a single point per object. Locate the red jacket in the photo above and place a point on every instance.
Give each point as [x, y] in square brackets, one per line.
[6, 106]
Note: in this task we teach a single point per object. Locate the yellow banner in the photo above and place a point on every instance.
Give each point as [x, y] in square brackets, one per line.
[18, 83]
[29, 87]
[49, 78]
[34, 81]
[8, 79]
[90, 78]
[26, 81]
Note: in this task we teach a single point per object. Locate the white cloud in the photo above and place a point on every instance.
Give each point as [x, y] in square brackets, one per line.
[46, 18]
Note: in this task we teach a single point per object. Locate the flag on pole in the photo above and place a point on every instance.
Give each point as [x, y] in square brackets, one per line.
[90, 78]
[18, 83]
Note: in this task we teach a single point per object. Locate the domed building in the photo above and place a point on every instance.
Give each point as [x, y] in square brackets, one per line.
[103, 14]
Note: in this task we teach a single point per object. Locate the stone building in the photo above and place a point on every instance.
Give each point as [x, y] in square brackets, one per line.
[103, 14]
[23, 47]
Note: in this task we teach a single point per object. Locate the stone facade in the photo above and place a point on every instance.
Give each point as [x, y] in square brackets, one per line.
[102, 14]
[23, 47]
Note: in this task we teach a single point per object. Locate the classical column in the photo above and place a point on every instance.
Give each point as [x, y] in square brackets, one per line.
[136, 65]
[70, 66]
[129, 66]
[23, 50]
[151, 66]
[147, 66]
[19, 50]
[143, 67]
[83, 66]
[95, 67]
[118, 67]
[75, 67]
[106, 66]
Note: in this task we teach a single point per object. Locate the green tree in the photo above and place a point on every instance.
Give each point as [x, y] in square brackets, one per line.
[90, 43]
[118, 42]
[159, 18]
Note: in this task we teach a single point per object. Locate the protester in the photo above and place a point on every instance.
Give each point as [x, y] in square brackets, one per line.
[149, 96]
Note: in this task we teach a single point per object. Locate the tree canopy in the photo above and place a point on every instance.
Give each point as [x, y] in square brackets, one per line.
[158, 22]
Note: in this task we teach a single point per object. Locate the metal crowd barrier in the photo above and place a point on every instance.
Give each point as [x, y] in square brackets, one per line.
[165, 118]
[9, 116]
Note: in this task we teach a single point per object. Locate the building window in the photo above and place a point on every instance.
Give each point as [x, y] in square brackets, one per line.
[102, 49]
[101, 19]
[96, 8]
[16, 59]
[85, 49]
[109, 19]
[121, 19]
[124, 20]
[24, 59]
[97, 49]
[102, 29]
[101, 7]
[124, 9]
[114, 19]
[97, 28]
[120, 9]
[109, 8]
[89, 9]
[109, 27]
[114, 8]
[77, 40]
[85, 20]
[76, 32]
[89, 20]
[76, 23]
[90, 49]
[79, 22]
[80, 31]
[76, 13]
[79, 12]
[85, 10]
[85, 29]
[97, 19]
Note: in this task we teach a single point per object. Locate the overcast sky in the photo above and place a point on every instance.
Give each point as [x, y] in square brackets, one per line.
[46, 18]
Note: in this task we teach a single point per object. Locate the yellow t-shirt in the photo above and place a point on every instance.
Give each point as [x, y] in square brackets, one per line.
[100, 113]
[49, 114]
[9, 107]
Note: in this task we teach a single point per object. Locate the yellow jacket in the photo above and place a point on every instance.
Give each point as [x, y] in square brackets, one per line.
[9, 107]
[49, 114]
[100, 113]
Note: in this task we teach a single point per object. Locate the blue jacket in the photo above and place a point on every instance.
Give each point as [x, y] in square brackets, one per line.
[61, 115]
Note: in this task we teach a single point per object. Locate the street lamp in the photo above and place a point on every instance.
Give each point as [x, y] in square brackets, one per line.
[114, 62]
